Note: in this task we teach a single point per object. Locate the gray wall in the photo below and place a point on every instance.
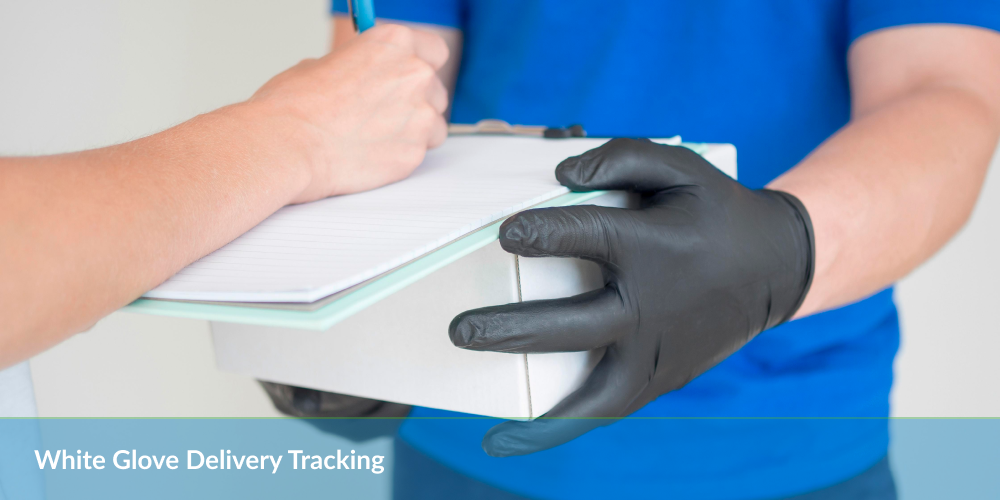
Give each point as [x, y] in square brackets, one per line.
[84, 74]
[948, 363]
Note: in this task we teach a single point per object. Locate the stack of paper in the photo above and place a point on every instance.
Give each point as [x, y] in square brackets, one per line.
[303, 253]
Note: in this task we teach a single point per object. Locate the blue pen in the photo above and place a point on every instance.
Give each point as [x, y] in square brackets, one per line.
[362, 13]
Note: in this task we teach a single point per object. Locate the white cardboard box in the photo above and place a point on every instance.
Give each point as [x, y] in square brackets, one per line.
[398, 349]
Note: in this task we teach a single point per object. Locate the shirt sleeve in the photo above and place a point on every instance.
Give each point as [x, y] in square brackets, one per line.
[441, 12]
[865, 16]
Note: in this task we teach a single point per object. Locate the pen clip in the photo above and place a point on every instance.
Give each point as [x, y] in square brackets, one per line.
[351, 9]
[362, 14]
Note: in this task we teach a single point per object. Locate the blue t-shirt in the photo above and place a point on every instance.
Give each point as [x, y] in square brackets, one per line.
[769, 76]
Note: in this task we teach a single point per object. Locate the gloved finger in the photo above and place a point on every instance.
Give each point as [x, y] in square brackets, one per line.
[583, 231]
[600, 401]
[513, 438]
[637, 165]
[580, 323]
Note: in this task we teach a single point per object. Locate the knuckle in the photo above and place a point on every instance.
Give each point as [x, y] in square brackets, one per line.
[397, 34]
[428, 113]
[443, 48]
[439, 131]
[425, 118]
[420, 71]
[408, 159]
[433, 47]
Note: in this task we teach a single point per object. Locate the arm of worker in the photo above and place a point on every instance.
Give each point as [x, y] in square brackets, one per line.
[890, 189]
[343, 32]
[82, 234]
[706, 264]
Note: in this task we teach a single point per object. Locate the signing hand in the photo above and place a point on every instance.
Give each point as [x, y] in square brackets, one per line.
[363, 115]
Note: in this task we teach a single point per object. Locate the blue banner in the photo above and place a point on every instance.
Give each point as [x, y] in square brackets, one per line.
[345, 458]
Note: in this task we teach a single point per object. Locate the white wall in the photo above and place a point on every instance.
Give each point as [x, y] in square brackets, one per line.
[948, 363]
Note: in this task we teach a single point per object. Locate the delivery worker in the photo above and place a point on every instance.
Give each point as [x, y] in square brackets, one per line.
[83, 234]
[864, 130]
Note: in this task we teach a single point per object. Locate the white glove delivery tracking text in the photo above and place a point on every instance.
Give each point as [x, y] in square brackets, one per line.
[224, 460]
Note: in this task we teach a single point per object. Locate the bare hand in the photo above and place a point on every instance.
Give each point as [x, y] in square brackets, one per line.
[363, 115]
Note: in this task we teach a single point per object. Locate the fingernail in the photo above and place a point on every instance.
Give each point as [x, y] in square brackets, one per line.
[463, 331]
[567, 172]
[497, 445]
[514, 230]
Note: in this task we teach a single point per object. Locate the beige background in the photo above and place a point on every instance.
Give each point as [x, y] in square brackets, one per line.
[84, 74]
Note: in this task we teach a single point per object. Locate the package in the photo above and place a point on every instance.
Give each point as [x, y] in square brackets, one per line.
[397, 349]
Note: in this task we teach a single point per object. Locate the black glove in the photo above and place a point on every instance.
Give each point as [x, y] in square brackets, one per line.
[338, 413]
[704, 266]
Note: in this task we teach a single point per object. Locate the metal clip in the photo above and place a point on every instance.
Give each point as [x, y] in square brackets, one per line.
[500, 127]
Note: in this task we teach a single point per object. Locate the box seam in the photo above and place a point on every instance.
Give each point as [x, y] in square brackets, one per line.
[527, 371]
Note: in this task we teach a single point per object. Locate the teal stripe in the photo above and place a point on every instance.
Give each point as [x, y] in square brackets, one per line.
[355, 301]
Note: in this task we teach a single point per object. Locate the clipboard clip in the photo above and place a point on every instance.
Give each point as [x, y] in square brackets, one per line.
[500, 127]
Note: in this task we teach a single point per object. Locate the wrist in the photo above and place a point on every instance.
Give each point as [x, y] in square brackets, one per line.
[825, 249]
[804, 252]
[276, 144]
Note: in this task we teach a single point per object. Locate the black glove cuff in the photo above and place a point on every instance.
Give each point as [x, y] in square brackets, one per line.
[807, 250]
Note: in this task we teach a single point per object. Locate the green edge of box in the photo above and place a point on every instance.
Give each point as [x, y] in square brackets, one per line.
[380, 288]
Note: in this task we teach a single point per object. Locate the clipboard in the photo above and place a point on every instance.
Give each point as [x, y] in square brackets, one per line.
[327, 312]
[386, 339]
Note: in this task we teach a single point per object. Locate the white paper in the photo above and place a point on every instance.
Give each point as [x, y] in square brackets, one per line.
[303, 253]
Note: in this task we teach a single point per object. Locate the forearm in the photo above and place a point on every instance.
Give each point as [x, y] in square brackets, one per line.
[85, 233]
[891, 188]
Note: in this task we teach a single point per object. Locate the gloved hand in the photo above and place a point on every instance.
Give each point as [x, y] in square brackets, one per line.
[381, 418]
[704, 266]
